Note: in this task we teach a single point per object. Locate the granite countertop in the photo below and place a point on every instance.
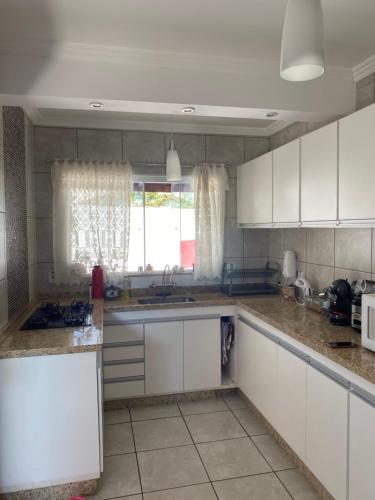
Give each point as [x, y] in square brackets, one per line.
[16, 343]
[306, 326]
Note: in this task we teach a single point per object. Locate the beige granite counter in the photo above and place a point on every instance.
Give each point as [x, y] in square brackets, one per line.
[306, 326]
[301, 324]
[16, 343]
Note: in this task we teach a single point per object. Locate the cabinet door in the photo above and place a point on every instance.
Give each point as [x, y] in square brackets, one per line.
[326, 432]
[254, 191]
[319, 180]
[164, 357]
[356, 165]
[286, 160]
[266, 377]
[361, 449]
[202, 365]
[246, 359]
[291, 400]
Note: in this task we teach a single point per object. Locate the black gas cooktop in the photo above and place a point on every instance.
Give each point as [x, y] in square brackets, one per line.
[54, 315]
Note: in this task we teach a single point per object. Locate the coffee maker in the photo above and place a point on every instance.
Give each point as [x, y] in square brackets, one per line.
[340, 296]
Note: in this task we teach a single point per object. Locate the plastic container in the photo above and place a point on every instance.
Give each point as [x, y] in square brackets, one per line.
[97, 283]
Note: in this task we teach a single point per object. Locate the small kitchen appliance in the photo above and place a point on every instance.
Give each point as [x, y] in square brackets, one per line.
[54, 315]
[368, 321]
[302, 288]
[358, 289]
[339, 295]
[289, 267]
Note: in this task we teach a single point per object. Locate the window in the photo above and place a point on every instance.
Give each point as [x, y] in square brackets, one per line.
[162, 226]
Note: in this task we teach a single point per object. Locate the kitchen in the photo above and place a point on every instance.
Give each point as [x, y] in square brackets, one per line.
[187, 250]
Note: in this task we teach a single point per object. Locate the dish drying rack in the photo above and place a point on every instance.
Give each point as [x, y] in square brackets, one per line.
[250, 281]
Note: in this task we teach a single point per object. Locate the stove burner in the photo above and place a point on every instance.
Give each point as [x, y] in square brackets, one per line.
[54, 315]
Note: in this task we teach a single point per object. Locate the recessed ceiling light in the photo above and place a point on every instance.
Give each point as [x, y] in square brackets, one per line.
[188, 109]
[96, 105]
[272, 114]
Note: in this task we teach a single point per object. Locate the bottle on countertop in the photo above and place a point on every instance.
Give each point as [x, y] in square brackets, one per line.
[97, 282]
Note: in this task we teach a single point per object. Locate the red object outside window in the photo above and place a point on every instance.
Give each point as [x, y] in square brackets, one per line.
[187, 249]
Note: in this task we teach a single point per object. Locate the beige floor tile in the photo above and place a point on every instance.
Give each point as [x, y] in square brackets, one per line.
[297, 485]
[120, 478]
[154, 411]
[235, 402]
[214, 426]
[202, 406]
[161, 433]
[197, 492]
[116, 416]
[250, 422]
[262, 487]
[118, 438]
[232, 458]
[273, 453]
[170, 468]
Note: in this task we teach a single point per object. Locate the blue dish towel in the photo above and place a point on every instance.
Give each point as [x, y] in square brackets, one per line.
[227, 339]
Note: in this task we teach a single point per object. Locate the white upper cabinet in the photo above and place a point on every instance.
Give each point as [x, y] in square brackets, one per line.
[319, 175]
[254, 191]
[357, 165]
[286, 163]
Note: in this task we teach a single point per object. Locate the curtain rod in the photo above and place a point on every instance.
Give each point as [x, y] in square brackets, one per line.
[135, 164]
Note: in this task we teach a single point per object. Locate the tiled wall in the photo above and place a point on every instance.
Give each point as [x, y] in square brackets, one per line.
[149, 149]
[3, 272]
[30, 206]
[328, 254]
[16, 209]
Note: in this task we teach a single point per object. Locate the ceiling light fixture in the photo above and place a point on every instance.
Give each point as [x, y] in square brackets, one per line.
[302, 52]
[271, 114]
[188, 109]
[96, 105]
[173, 167]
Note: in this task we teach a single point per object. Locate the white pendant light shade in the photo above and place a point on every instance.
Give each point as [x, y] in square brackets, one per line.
[173, 170]
[302, 52]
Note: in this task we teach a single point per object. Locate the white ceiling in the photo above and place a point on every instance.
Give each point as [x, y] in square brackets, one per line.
[145, 59]
[232, 28]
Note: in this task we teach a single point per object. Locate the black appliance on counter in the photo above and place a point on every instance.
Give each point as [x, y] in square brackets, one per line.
[53, 315]
[340, 297]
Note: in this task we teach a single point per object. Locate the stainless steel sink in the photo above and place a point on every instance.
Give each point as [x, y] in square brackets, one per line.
[169, 299]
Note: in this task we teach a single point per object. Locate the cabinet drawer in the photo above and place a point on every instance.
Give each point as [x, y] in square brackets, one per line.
[123, 333]
[124, 370]
[123, 352]
[114, 390]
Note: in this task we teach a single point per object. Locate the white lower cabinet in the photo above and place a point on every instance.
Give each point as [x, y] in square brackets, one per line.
[326, 432]
[266, 377]
[361, 449]
[291, 400]
[49, 420]
[202, 367]
[246, 359]
[164, 357]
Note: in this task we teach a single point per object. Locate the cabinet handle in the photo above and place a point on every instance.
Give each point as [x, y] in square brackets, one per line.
[259, 329]
[128, 343]
[330, 374]
[134, 378]
[364, 395]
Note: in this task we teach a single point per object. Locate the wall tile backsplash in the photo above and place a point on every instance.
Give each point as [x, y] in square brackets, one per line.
[149, 150]
[327, 254]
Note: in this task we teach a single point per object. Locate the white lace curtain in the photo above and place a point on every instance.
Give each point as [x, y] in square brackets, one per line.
[91, 217]
[210, 183]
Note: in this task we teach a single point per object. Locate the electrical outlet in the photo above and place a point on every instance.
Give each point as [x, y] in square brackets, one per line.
[51, 277]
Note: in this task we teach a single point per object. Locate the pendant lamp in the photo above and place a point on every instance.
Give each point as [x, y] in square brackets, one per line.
[302, 52]
[173, 169]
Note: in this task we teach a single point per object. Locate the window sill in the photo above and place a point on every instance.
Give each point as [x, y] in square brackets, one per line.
[137, 274]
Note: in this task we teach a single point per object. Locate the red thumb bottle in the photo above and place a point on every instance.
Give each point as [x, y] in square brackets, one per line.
[97, 283]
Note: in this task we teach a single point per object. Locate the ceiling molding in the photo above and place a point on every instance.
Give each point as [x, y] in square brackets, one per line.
[152, 126]
[363, 69]
[142, 57]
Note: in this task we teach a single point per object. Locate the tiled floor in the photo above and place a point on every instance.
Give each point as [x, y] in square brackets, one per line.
[202, 450]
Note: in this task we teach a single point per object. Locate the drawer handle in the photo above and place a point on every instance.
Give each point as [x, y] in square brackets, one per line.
[124, 361]
[128, 343]
[133, 378]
